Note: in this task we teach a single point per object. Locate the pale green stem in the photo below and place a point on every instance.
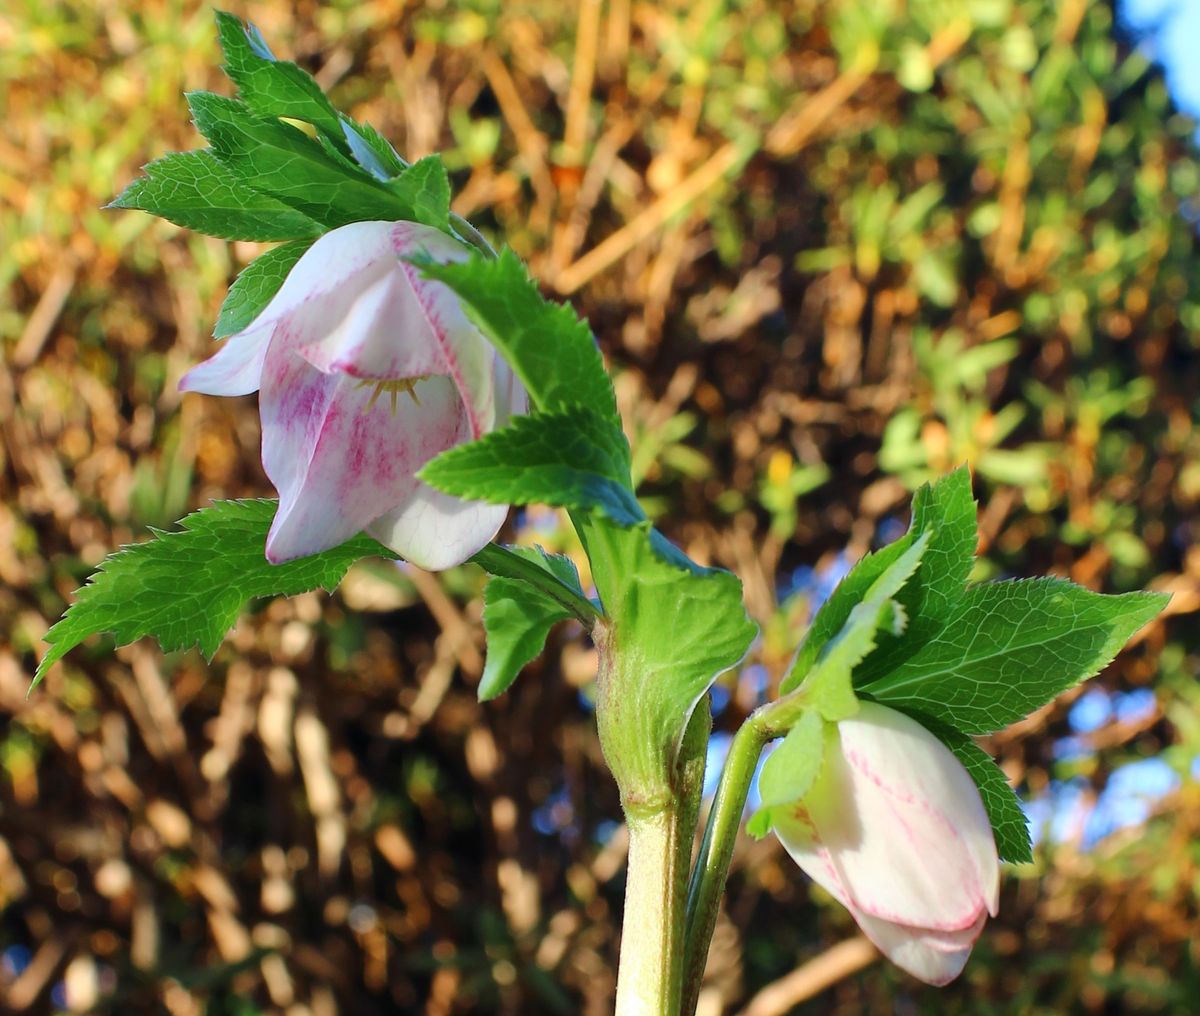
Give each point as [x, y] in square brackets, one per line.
[660, 849]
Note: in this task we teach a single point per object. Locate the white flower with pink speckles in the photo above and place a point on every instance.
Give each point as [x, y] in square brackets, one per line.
[366, 371]
[895, 830]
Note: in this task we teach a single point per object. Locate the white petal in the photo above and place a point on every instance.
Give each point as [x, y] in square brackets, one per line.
[235, 369]
[316, 294]
[435, 531]
[340, 264]
[894, 829]
[384, 334]
[935, 957]
[468, 355]
[511, 397]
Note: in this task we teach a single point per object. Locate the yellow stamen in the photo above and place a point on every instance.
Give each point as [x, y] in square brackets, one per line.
[393, 386]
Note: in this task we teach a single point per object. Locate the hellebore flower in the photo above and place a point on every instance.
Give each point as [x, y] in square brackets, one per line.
[895, 830]
[366, 371]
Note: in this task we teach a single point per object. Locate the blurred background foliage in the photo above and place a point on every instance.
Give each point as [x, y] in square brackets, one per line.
[831, 249]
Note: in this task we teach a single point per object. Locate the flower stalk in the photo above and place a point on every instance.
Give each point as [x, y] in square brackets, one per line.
[716, 851]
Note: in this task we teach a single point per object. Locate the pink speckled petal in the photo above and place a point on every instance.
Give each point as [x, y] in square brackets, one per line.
[339, 465]
[236, 368]
[898, 825]
[435, 531]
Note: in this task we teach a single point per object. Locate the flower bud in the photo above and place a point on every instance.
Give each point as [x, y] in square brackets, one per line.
[895, 830]
[366, 371]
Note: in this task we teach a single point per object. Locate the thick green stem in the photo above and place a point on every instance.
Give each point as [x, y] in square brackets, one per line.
[660, 850]
[716, 851]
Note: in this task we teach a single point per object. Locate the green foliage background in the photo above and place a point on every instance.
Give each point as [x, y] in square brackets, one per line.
[832, 248]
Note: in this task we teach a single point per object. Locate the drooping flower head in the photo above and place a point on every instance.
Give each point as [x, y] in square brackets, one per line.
[895, 830]
[366, 371]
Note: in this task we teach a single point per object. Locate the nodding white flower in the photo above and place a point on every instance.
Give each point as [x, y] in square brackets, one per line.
[895, 830]
[366, 371]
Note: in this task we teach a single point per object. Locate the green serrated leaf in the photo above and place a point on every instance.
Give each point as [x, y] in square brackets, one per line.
[255, 285]
[269, 86]
[874, 580]
[946, 511]
[517, 618]
[571, 458]
[1009, 648]
[836, 610]
[278, 159]
[1009, 825]
[550, 349]
[425, 188]
[790, 770]
[196, 191]
[187, 587]
[828, 687]
[672, 633]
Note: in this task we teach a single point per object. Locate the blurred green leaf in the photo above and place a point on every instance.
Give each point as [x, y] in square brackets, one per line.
[187, 587]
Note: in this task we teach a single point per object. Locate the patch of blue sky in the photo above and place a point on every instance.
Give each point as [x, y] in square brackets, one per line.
[1067, 812]
[1058, 814]
[555, 815]
[14, 960]
[1135, 706]
[1168, 32]
[1091, 711]
[754, 797]
[714, 763]
[753, 683]
[1129, 798]
[718, 698]
[889, 530]
[1072, 749]
[1097, 708]
[604, 831]
[816, 584]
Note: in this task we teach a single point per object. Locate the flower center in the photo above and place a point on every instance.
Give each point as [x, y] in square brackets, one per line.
[393, 386]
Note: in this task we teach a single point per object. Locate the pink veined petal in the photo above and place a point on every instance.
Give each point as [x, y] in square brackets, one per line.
[384, 334]
[469, 357]
[907, 772]
[935, 957]
[339, 462]
[236, 368]
[801, 840]
[435, 531]
[902, 823]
